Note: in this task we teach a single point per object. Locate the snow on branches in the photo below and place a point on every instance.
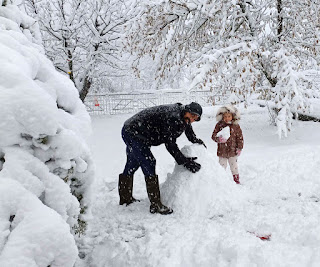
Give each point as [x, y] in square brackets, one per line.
[45, 165]
[232, 44]
[84, 38]
[288, 91]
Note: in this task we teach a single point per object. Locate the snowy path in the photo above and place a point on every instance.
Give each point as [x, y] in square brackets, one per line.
[279, 196]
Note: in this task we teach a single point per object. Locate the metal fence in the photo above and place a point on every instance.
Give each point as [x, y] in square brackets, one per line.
[124, 103]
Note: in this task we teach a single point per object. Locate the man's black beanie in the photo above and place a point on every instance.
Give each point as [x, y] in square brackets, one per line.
[194, 108]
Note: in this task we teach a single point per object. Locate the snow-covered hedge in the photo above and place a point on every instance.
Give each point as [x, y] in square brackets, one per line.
[45, 164]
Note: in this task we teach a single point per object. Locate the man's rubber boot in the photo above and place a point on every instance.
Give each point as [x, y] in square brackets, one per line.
[236, 178]
[153, 190]
[125, 187]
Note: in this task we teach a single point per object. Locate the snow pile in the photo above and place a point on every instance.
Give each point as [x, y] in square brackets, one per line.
[45, 164]
[207, 193]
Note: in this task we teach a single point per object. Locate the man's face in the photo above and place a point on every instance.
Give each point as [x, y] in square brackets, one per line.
[190, 117]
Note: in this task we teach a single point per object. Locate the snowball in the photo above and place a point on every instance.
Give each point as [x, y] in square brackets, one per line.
[225, 133]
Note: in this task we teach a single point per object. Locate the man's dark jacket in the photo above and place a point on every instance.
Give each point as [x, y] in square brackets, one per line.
[161, 125]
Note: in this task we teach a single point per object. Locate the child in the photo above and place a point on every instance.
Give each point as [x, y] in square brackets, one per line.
[229, 149]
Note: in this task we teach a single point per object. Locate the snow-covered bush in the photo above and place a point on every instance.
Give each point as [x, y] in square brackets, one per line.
[45, 164]
[288, 97]
[31, 233]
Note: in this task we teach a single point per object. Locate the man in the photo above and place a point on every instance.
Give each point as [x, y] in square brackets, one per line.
[152, 127]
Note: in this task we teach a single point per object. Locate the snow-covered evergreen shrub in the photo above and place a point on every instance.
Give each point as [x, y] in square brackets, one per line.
[45, 164]
[287, 95]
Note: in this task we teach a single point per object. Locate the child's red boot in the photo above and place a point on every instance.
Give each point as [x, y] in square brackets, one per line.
[236, 178]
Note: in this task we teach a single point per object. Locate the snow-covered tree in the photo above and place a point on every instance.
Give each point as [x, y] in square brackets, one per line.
[45, 165]
[84, 38]
[240, 44]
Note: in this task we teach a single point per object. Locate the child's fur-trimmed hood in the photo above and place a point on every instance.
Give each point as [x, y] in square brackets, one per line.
[228, 109]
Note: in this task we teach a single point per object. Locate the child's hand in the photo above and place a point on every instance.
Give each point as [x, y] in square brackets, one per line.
[238, 151]
[222, 139]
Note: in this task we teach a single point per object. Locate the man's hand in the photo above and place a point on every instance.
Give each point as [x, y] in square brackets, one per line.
[191, 165]
[200, 142]
[238, 152]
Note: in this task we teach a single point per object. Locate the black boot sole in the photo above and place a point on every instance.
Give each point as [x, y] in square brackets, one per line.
[153, 211]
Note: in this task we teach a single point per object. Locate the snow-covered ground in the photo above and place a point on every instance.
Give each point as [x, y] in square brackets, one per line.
[215, 222]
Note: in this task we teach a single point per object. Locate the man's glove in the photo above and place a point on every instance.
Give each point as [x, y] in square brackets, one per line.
[200, 142]
[191, 165]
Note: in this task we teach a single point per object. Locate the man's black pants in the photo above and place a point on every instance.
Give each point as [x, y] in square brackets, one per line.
[138, 155]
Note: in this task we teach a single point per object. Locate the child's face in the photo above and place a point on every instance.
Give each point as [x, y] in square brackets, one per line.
[227, 117]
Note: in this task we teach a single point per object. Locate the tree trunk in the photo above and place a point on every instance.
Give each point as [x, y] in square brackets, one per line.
[280, 18]
[272, 81]
[85, 88]
[88, 81]
[69, 59]
[70, 65]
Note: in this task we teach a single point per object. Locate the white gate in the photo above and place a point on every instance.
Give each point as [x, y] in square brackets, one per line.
[124, 103]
